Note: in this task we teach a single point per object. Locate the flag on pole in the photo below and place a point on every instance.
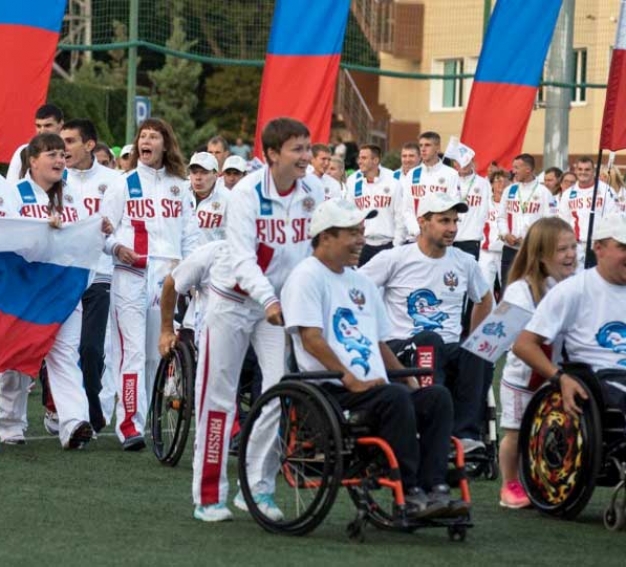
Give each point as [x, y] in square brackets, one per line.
[613, 136]
[507, 77]
[43, 274]
[301, 65]
[29, 33]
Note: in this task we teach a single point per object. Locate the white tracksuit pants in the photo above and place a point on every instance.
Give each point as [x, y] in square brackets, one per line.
[13, 404]
[135, 327]
[65, 379]
[231, 327]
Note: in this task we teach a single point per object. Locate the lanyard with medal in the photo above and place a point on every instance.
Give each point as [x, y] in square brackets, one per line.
[524, 204]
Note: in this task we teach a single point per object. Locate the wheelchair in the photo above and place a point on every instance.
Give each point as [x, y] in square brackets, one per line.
[563, 459]
[321, 447]
[172, 405]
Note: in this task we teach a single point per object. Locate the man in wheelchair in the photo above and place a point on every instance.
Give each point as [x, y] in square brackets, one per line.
[588, 311]
[338, 322]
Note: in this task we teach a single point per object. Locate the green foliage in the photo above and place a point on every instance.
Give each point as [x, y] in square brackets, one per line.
[231, 100]
[105, 107]
[174, 89]
[391, 160]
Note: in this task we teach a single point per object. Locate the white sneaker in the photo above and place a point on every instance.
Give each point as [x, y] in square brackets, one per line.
[51, 423]
[265, 503]
[213, 513]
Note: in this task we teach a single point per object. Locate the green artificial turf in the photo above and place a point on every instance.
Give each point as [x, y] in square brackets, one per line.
[102, 506]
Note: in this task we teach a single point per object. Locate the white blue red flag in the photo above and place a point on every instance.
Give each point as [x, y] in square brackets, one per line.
[301, 65]
[507, 77]
[29, 33]
[613, 135]
[43, 274]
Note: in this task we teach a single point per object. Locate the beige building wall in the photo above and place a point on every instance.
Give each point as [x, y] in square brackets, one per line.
[453, 30]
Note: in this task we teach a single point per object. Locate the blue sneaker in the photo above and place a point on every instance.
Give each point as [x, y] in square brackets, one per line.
[265, 503]
[213, 513]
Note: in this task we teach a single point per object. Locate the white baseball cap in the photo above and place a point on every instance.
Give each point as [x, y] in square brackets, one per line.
[611, 226]
[235, 162]
[337, 213]
[126, 150]
[205, 160]
[439, 203]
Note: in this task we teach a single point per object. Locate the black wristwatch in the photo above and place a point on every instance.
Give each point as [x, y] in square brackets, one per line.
[555, 378]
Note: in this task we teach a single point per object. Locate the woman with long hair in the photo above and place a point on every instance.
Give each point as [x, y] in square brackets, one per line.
[155, 226]
[547, 256]
[43, 194]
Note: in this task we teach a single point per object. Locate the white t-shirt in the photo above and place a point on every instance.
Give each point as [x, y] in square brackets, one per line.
[423, 293]
[348, 309]
[590, 314]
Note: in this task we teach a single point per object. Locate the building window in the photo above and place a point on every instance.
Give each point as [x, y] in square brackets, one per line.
[452, 87]
[579, 64]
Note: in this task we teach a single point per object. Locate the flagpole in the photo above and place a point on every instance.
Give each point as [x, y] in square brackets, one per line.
[590, 259]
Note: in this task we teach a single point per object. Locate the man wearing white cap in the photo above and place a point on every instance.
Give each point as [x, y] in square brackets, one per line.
[234, 169]
[124, 160]
[211, 200]
[423, 289]
[338, 323]
[588, 311]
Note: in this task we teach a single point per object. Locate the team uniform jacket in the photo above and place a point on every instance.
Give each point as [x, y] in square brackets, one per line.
[438, 178]
[211, 213]
[575, 207]
[153, 215]
[475, 192]
[267, 236]
[491, 240]
[91, 184]
[384, 194]
[521, 205]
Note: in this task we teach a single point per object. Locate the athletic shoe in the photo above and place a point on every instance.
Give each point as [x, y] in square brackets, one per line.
[471, 445]
[513, 495]
[134, 443]
[80, 436]
[51, 423]
[454, 508]
[15, 440]
[264, 502]
[213, 513]
[420, 506]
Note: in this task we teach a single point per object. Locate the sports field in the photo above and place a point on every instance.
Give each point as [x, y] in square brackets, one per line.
[102, 506]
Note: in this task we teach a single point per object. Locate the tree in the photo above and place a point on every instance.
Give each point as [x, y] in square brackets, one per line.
[174, 88]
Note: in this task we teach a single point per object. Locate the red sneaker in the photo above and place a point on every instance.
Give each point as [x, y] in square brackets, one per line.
[513, 495]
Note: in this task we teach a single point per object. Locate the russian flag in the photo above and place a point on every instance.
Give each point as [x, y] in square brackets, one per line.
[29, 33]
[613, 135]
[43, 274]
[301, 65]
[507, 77]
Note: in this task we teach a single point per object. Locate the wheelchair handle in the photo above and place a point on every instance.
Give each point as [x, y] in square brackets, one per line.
[393, 375]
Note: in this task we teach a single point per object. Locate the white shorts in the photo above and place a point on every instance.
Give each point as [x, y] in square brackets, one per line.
[513, 402]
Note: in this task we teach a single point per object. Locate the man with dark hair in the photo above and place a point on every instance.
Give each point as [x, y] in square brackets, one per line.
[91, 181]
[220, 148]
[409, 158]
[318, 167]
[266, 236]
[48, 118]
[575, 203]
[431, 176]
[522, 203]
[551, 179]
[376, 191]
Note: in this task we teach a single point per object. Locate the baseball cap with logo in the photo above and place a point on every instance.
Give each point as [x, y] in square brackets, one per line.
[439, 203]
[126, 150]
[337, 213]
[235, 162]
[611, 226]
[205, 160]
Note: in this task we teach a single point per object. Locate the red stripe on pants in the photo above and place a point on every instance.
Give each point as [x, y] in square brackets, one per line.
[213, 455]
[129, 402]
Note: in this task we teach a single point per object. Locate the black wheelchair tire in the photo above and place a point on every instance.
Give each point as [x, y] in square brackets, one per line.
[324, 452]
[171, 412]
[555, 447]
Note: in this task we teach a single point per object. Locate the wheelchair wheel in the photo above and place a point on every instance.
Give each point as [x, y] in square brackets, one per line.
[306, 453]
[560, 456]
[172, 404]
